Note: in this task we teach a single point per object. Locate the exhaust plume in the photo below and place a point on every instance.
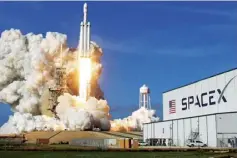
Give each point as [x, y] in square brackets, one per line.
[27, 67]
[135, 121]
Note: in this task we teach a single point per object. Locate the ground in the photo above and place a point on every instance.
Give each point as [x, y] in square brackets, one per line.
[63, 151]
[41, 154]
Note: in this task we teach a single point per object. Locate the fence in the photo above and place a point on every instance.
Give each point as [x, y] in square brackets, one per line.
[227, 140]
[223, 141]
[161, 142]
[11, 141]
[100, 143]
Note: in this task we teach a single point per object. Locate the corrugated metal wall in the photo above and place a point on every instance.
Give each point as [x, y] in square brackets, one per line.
[180, 130]
[210, 96]
[205, 95]
[227, 130]
[218, 130]
[211, 124]
[103, 143]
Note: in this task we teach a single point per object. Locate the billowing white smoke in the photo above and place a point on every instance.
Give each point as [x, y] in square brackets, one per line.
[135, 121]
[77, 115]
[19, 123]
[73, 114]
[27, 65]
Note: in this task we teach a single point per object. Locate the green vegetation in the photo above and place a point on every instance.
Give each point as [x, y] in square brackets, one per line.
[41, 154]
[67, 151]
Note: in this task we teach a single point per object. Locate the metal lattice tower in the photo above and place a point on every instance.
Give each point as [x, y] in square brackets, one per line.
[60, 87]
[144, 97]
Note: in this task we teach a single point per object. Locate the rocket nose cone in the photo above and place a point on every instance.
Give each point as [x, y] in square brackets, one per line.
[85, 6]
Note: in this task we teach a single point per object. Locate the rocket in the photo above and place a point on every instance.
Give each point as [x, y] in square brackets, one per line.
[83, 56]
[84, 39]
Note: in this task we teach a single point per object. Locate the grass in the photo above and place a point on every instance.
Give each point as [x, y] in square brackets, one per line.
[95, 154]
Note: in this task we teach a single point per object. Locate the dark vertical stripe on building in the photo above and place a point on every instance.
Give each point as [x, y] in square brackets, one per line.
[177, 131]
[154, 131]
[216, 128]
[184, 130]
[198, 127]
[191, 127]
[207, 129]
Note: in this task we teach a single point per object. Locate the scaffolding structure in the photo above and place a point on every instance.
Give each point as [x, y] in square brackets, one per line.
[60, 86]
[59, 89]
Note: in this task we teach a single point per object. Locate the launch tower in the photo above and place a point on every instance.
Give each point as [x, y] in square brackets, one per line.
[59, 88]
[144, 97]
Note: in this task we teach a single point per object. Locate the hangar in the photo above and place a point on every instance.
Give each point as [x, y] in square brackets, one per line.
[205, 110]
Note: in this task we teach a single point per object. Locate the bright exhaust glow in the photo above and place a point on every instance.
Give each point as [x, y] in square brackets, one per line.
[84, 78]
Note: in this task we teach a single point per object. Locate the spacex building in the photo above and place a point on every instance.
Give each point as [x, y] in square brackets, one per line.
[205, 110]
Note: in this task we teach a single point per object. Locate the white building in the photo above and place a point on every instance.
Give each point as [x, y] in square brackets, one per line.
[204, 110]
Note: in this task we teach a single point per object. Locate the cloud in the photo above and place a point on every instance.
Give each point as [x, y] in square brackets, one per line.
[197, 51]
[231, 14]
[227, 13]
[9, 12]
[115, 45]
[143, 47]
[220, 28]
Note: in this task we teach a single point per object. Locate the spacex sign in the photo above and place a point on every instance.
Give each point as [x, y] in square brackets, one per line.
[217, 94]
[198, 100]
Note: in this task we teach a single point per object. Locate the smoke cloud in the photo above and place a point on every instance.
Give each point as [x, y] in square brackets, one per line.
[27, 68]
[135, 121]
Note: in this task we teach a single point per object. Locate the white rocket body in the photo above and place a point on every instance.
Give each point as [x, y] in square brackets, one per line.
[84, 40]
[84, 52]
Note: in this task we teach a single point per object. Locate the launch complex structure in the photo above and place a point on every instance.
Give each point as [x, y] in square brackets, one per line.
[83, 54]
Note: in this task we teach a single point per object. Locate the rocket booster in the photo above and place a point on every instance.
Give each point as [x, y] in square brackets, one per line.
[84, 39]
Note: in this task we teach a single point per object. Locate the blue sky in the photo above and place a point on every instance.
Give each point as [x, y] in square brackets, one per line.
[161, 44]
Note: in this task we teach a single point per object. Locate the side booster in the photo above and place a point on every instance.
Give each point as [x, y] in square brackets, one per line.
[84, 40]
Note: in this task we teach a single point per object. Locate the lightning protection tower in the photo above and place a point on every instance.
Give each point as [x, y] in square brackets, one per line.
[144, 97]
